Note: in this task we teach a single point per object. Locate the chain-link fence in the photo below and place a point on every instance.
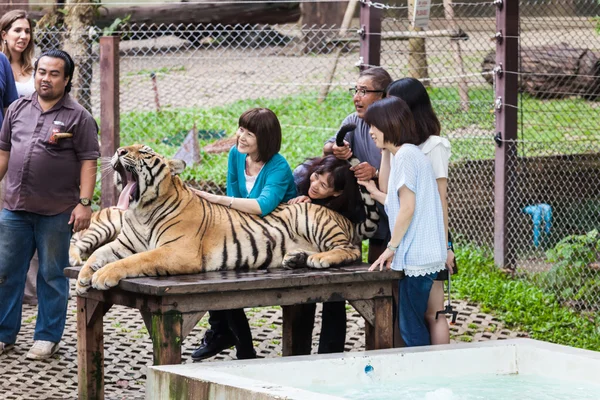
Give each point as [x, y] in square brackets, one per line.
[174, 78]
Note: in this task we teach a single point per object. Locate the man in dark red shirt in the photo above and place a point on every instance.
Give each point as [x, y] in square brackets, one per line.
[48, 152]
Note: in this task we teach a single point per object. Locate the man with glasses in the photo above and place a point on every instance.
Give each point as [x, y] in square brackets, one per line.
[369, 88]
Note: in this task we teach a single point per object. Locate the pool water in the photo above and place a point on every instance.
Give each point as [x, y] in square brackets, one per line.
[483, 387]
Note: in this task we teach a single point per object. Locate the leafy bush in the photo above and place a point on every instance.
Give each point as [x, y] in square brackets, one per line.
[521, 303]
[573, 276]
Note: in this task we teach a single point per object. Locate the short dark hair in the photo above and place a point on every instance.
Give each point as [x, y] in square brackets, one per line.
[379, 76]
[349, 202]
[392, 116]
[68, 61]
[265, 125]
[413, 92]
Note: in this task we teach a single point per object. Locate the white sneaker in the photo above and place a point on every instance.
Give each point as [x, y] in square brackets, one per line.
[42, 349]
[5, 347]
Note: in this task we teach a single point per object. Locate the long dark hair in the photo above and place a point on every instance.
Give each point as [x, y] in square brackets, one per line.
[415, 95]
[349, 202]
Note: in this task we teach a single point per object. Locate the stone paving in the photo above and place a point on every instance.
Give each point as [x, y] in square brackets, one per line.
[128, 349]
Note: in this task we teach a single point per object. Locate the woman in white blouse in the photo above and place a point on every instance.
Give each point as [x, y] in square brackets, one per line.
[437, 150]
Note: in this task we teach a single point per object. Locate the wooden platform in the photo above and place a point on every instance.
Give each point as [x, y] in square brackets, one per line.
[171, 307]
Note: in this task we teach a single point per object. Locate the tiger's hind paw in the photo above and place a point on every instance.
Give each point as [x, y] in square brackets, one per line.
[294, 260]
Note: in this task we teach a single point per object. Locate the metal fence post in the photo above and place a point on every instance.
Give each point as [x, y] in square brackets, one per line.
[109, 115]
[507, 68]
[370, 36]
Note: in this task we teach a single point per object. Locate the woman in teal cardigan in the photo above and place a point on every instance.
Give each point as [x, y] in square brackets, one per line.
[258, 180]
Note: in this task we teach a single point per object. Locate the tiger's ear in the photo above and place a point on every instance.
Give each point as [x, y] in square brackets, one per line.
[176, 166]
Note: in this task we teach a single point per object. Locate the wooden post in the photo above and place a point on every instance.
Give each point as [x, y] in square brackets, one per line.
[298, 323]
[167, 336]
[380, 334]
[90, 348]
[370, 38]
[109, 115]
[463, 88]
[506, 102]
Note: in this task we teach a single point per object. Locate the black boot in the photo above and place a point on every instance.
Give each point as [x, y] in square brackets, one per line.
[212, 344]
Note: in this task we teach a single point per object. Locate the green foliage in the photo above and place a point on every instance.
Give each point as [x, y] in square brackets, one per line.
[520, 303]
[116, 24]
[571, 276]
[576, 250]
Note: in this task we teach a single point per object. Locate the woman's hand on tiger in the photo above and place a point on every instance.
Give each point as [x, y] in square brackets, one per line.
[300, 199]
[80, 217]
[370, 185]
[213, 198]
[384, 259]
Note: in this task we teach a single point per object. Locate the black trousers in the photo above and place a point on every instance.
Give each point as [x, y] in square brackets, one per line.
[333, 328]
[235, 324]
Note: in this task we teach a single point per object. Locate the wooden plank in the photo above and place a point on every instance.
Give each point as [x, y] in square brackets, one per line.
[167, 329]
[366, 309]
[298, 323]
[248, 280]
[189, 322]
[381, 333]
[90, 349]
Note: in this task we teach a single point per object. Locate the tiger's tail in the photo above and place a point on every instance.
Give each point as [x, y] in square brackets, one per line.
[368, 227]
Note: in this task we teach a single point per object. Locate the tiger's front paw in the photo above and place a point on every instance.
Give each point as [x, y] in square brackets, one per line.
[318, 262]
[106, 278]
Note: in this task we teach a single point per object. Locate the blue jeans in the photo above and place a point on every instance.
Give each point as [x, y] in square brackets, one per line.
[21, 233]
[413, 295]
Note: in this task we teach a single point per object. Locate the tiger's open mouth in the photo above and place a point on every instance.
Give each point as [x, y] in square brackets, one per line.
[130, 190]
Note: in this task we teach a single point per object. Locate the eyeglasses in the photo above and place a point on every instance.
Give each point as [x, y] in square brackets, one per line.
[362, 92]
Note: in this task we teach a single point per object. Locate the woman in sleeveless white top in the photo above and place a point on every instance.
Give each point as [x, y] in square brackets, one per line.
[26, 88]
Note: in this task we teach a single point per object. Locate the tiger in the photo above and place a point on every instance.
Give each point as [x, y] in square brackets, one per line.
[168, 230]
[105, 225]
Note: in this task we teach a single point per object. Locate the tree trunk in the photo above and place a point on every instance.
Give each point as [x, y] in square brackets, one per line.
[77, 42]
[323, 16]
[194, 13]
[417, 54]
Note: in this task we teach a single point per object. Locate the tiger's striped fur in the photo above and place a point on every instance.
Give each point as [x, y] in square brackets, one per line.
[104, 227]
[170, 230]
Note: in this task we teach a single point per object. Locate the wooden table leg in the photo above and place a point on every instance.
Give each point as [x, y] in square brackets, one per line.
[298, 323]
[166, 331]
[380, 334]
[90, 348]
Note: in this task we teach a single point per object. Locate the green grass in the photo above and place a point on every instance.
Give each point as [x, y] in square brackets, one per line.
[520, 303]
[306, 125]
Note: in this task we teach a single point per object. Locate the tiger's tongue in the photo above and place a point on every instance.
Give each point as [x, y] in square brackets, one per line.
[127, 192]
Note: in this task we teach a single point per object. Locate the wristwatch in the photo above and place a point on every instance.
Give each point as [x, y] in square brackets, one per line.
[84, 201]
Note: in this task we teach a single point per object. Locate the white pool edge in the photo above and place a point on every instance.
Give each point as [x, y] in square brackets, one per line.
[234, 380]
